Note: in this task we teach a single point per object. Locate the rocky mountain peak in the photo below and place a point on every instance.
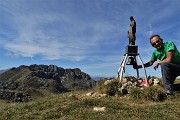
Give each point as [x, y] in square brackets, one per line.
[50, 77]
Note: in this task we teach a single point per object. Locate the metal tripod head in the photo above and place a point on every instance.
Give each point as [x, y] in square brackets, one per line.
[130, 61]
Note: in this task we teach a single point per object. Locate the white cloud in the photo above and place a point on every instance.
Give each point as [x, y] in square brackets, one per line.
[89, 31]
[46, 36]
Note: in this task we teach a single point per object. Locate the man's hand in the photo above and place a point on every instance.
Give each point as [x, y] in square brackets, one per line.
[156, 65]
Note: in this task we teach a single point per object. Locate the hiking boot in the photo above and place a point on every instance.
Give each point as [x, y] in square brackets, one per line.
[168, 92]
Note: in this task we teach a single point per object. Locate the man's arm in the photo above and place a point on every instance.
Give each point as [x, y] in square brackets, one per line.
[150, 63]
[169, 57]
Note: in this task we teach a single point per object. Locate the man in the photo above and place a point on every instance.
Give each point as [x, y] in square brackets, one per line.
[169, 60]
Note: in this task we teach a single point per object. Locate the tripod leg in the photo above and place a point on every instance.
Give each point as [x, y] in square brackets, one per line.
[136, 69]
[120, 67]
[143, 68]
[123, 66]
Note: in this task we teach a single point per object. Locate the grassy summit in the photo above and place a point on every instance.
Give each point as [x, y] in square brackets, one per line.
[76, 105]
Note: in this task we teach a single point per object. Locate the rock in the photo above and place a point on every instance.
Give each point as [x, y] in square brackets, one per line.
[99, 109]
[124, 80]
[102, 95]
[13, 96]
[156, 82]
[107, 82]
[89, 94]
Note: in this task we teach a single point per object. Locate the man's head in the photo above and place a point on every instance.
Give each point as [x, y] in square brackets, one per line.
[156, 41]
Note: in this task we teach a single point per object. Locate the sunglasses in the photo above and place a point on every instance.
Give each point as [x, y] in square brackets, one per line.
[154, 44]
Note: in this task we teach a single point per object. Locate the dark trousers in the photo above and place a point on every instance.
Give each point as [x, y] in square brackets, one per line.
[169, 73]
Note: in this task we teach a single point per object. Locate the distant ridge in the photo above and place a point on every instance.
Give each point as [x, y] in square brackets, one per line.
[4, 70]
[96, 78]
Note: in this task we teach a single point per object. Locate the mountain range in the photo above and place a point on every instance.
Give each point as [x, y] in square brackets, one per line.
[4, 70]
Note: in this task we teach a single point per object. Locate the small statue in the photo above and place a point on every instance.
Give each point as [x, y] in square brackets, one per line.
[132, 31]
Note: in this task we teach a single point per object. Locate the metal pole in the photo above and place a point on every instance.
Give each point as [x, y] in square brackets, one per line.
[120, 66]
[123, 66]
[143, 68]
[136, 69]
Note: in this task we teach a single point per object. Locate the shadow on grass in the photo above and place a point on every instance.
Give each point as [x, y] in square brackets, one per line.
[177, 87]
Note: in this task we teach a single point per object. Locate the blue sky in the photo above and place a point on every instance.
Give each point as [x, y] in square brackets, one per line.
[86, 34]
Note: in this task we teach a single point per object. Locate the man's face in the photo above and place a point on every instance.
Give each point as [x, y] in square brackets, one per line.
[156, 42]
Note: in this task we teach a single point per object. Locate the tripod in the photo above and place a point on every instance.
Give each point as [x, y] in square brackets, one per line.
[131, 51]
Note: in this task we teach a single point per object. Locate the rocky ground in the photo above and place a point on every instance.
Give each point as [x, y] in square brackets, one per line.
[114, 86]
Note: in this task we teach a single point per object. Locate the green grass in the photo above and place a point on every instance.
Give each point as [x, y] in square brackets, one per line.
[78, 106]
